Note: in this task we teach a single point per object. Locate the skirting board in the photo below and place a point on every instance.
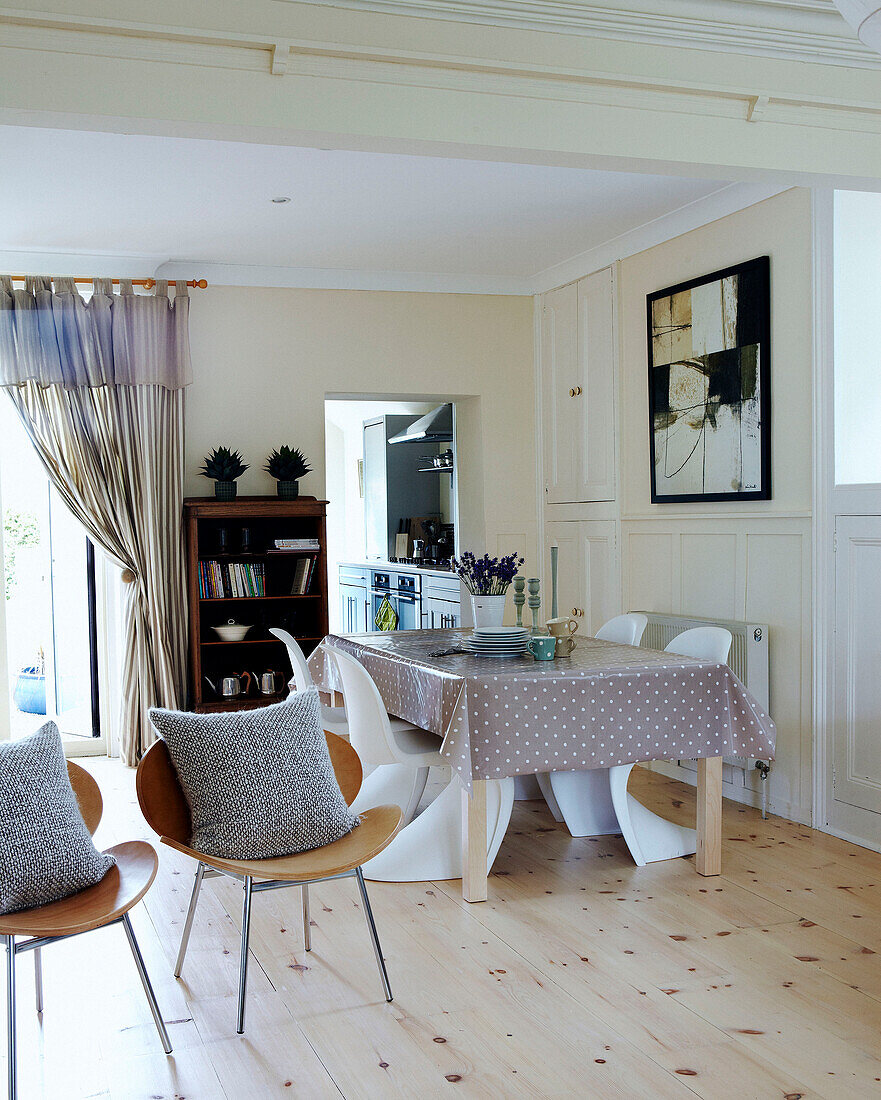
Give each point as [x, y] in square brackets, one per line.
[743, 795]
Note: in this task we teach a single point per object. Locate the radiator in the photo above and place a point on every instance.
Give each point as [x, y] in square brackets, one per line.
[748, 659]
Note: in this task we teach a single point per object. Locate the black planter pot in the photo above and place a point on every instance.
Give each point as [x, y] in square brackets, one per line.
[225, 490]
[288, 490]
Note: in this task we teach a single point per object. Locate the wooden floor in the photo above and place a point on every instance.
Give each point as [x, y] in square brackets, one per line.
[582, 976]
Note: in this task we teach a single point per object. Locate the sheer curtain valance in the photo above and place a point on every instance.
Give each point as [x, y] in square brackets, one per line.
[98, 385]
[54, 337]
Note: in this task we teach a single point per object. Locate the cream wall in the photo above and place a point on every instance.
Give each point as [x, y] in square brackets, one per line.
[264, 359]
[737, 561]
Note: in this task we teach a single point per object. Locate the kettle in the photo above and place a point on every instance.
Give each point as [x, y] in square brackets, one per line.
[270, 682]
[232, 686]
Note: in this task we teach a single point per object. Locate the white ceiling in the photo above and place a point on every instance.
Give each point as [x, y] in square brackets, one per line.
[208, 202]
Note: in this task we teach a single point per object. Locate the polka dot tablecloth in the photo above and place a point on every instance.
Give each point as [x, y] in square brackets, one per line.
[606, 704]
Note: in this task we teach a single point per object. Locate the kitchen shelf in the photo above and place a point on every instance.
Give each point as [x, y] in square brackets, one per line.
[435, 469]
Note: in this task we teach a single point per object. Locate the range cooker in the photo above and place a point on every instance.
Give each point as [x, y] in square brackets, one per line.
[404, 593]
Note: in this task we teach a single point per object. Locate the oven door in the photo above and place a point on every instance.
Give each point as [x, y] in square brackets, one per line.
[409, 609]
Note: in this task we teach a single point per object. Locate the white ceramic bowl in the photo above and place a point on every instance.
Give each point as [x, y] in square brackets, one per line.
[231, 632]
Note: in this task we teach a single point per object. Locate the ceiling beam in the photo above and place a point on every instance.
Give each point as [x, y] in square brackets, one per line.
[393, 83]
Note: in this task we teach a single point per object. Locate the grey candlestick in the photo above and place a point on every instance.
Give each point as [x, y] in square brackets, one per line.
[533, 586]
[555, 550]
[519, 598]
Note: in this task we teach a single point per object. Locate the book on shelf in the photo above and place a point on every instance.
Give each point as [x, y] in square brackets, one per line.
[296, 544]
[303, 571]
[231, 580]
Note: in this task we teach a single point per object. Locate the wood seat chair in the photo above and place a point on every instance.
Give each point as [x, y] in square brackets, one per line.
[107, 902]
[165, 807]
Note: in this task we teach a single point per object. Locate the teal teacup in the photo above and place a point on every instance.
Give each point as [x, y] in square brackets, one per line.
[542, 647]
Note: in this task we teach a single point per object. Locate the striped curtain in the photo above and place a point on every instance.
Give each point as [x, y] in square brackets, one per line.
[99, 387]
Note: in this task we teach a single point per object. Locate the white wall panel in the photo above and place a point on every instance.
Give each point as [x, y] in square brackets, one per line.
[602, 574]
[778, 567]
[709, 575]
[649, 571]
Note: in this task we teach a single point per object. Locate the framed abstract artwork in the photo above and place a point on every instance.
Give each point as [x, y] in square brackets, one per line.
[709, 355]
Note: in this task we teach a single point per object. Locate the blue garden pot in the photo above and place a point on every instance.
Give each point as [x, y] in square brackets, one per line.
[30, 691]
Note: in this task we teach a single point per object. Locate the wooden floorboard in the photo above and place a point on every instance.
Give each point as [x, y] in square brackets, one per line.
[582, 975]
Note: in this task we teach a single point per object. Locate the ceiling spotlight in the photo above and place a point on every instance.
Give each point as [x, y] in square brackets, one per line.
[281, 198]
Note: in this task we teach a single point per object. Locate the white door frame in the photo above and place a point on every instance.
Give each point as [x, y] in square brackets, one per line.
[822, 526]
[827, 500]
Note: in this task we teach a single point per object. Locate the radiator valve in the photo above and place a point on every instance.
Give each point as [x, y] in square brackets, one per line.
[763, 768]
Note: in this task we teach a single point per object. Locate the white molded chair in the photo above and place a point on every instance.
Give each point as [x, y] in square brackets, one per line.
[333, 719]
[596, 802]
[707, 643]
[625, 629]
[428, 846]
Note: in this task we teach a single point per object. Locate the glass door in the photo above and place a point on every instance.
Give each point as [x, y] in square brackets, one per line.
[50, 601]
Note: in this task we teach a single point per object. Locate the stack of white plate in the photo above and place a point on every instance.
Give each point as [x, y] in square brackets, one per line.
[498, 641]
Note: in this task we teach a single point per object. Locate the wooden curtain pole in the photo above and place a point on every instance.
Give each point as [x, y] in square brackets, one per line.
[199, 284]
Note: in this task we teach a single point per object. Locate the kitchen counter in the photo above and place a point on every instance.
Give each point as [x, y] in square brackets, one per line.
[396, 567]
[422, 597]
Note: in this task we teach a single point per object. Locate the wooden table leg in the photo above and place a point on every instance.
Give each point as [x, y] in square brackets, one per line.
[474, 843]
[708, 860]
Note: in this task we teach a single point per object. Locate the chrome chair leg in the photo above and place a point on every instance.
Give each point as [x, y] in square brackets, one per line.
[371, 924]
[145, 981]
[10, 1014]
[188, 923]
[38, 978]
[307, 927]
[243, 965]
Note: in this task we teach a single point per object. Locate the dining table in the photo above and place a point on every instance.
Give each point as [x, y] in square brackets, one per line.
[606, 704]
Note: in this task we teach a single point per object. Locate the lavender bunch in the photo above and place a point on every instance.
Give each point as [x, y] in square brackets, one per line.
[487, 576]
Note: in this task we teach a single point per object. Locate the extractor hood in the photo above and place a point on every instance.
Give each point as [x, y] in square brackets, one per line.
[435, 427]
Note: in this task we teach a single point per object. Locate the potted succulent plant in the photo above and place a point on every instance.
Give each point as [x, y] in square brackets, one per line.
[223, 466]
[287, 465]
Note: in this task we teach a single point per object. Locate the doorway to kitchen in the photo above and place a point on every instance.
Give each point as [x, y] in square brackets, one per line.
[48, 623]
[392, 518]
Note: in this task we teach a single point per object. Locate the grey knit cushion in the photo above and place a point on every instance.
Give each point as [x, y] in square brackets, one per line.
[259, 782]
[46, 852]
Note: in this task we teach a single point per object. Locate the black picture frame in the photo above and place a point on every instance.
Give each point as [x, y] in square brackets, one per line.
[726, 368]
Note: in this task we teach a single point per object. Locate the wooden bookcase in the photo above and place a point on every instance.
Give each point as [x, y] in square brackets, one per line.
[305, 616]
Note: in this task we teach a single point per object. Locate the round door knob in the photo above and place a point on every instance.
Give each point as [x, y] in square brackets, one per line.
[578, 612]
[575, 391]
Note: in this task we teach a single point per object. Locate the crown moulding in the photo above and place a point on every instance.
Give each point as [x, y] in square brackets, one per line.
[865, 18]
[795, 30]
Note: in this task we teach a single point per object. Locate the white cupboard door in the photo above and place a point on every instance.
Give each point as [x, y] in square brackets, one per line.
[595, 404]
[588, 582]
[599, 564]
[578, 390]
[566, 536]
[857, 727]
[559, 368]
